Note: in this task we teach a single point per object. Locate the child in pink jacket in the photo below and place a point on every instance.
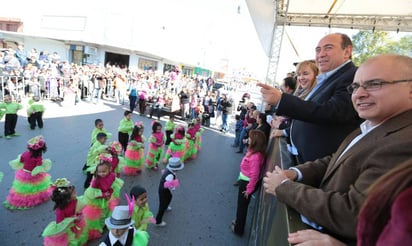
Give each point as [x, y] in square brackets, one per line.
[250, 169]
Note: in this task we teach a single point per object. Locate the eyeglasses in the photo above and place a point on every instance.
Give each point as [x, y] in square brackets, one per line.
[373, 85]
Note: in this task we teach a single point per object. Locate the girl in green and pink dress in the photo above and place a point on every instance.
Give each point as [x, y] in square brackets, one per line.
[177, 147]
[156, 143]
[32, 183]
[134, 155]
[101, 198]
[69, 228]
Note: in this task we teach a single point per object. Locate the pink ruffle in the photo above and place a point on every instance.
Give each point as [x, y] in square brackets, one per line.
[131, 171]
[92, 213]
[151, 155]
[25, 177]
[94, 234]
[133, 155]
[153, 146]
[27, 201]
[56, 240]
[113, 203]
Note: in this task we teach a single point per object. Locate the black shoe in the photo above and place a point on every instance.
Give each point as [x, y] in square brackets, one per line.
[240, 151]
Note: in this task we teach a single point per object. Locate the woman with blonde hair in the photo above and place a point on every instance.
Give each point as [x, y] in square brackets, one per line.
[306, 77]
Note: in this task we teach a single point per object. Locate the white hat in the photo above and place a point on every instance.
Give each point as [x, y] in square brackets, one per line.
[175, 164]
[121, 218]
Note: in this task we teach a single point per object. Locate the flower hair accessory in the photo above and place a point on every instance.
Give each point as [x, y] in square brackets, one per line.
[61, 183]
[116, 147]
[139, 124]
[105, 157]
[36, 143]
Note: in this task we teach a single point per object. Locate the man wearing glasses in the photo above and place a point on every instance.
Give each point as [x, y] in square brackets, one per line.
[330, 191]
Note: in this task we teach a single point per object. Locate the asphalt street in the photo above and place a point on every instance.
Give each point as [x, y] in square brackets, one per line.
[203, 206]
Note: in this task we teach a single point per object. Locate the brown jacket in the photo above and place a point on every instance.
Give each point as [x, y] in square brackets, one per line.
[332, 191]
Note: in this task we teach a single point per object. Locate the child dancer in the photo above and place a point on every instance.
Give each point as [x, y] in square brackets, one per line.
[167, 183]
[32, 183]
[35, 113]
[250, 168]
[169, 128]
[122, 231]
[142, 215]
[177, 146]
[10, 122]
[156, 141]
[191, 145]
[101, 197]
[99, 127]
[199, 132]
[125, 129]
[97, 148]
[117, 161]
[134, 155]
[69, 227]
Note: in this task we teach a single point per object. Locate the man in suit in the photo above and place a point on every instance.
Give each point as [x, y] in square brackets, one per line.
[326, 116]
[330, 191]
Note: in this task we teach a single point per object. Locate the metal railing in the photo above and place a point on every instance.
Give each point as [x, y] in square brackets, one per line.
[273, 220]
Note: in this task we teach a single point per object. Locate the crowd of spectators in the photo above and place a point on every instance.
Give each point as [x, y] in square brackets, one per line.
[46, 75]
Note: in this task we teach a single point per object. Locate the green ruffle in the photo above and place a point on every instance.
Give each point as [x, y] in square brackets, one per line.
[141, 238]
[54, 228]
[29, 188]
[16, 164]
[180, 141]
[91, 194]
[133, 145]
[91, 169]
[122, 163]
[81, 203]
[45, 167]
[117, 186]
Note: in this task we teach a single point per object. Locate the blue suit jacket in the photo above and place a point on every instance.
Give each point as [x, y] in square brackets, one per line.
[322, 122]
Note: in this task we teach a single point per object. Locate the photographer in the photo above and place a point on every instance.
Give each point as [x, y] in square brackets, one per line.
[242, 107]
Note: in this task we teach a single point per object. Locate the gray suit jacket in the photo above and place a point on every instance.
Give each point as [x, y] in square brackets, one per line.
[333, 190]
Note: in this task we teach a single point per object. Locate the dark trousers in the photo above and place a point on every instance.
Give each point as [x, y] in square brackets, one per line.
[34, 118]
[142, 106]
[10, 124]
[165, 197]
[123, 139]
[132, 101]
[242, 207]
[88, 180]
[243, 135]
[155, 108]
[168, 138]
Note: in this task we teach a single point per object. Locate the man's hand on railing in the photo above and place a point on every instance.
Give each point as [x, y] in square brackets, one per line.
[277, 177]
[312, 238]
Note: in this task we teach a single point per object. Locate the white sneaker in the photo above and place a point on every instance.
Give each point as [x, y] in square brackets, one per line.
[169, 209]
[162, 224]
